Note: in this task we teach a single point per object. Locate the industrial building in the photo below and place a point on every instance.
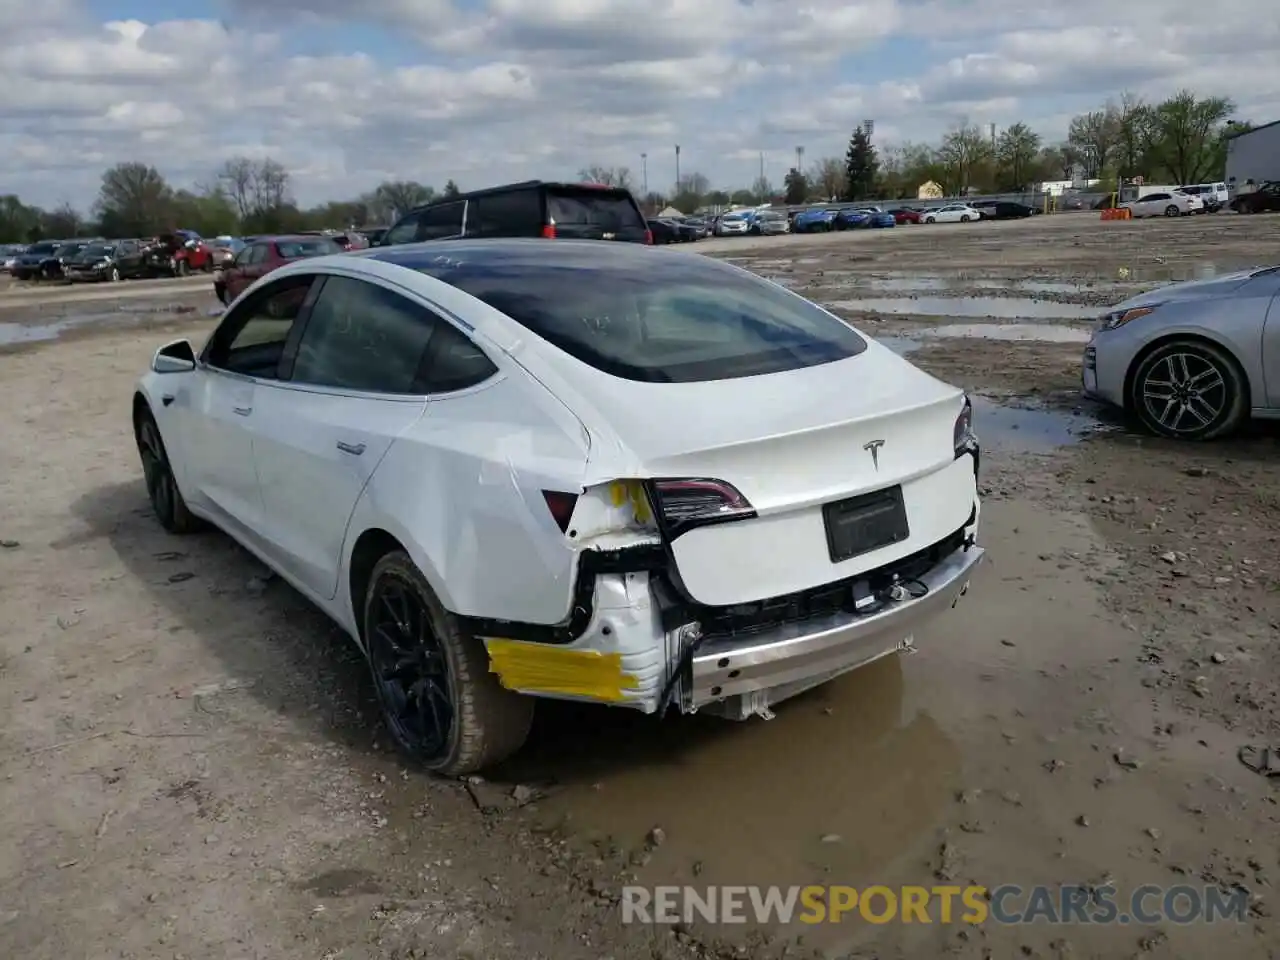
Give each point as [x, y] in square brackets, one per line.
[1254, 155]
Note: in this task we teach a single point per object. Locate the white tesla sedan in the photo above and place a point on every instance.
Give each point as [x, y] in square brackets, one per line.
[597, 471]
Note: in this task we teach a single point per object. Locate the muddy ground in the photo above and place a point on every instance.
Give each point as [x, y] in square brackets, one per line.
[191, 764]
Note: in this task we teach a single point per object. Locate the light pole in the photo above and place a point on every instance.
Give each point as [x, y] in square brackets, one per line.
[677, 168]
[644, 167]
[799, 159]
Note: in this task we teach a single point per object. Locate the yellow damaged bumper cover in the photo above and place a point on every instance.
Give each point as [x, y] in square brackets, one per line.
[542, 669]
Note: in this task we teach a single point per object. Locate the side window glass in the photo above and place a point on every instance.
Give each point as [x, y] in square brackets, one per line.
[406, 231]
[441, 222]
[363, 337]
[455, 362]
[251, 339]
[514, 214]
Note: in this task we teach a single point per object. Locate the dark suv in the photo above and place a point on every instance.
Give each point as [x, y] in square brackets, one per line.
[574, 211]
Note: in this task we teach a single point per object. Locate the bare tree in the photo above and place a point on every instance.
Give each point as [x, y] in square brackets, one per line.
[608, 176]
[963, 148]
[1094, 135]
[761, 190]
[270, 188]
[1134, 134]
[236, 179]
[827, 177]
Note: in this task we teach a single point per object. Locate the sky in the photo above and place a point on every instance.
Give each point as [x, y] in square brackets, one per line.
[483, 92]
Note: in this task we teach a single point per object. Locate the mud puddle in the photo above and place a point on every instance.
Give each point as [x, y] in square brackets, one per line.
[931, 284]
[1011, 308]
[13, 333]
[1024, 430]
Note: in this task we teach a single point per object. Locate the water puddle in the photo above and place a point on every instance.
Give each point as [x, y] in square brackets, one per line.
[1011, 308]
[1022, 430]
[1034, 332]
[19, 333]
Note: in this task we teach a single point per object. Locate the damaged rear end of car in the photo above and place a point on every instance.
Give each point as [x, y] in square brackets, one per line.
[769, 499]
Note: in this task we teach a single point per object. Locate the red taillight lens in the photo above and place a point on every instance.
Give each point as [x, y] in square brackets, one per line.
[685, 503]
[561, 506]
[549, 231]
[648, 237]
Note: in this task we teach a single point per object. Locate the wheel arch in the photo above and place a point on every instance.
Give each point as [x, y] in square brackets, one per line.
[370, 547]
[1169, 338]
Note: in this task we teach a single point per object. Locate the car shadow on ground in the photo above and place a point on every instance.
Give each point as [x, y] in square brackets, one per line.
[305, 666]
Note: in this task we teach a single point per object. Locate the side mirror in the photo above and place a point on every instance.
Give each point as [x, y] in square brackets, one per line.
[176, 357]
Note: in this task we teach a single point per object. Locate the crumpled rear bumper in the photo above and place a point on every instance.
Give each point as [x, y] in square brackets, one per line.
[792, 658]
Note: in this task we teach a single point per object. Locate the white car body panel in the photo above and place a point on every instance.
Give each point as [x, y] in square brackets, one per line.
[458, 480]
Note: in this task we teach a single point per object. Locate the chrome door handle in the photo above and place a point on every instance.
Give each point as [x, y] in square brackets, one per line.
[242, 411]
[355, 449]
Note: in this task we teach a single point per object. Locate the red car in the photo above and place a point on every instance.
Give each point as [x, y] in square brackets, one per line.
[903, 215]
[264, 254]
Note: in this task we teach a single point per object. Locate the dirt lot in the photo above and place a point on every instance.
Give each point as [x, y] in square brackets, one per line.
[191, 764]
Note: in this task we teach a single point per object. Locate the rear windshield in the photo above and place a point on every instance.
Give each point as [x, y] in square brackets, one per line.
[658, 319]
[610, 210]
[307, 248]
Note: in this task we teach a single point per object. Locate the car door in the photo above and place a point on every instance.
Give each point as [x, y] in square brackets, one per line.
[128, 260]
[245, 351]
[354, 386]
[244, 269]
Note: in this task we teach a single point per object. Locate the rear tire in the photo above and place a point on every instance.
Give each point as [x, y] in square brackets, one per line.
[486, 723]
[1190, 390]
[1171, 210]
[964, 218]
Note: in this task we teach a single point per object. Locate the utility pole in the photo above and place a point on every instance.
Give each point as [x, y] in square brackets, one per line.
[799, 159]
[677, 168]
[993, 138]
[644, 166]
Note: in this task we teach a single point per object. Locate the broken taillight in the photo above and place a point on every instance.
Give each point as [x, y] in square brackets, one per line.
[697, 501]
[549, 231]
[561, 505]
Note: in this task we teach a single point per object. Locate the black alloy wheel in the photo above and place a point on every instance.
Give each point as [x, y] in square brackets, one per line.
[162, 490]
[441, 703]
[1190, 390]
[409, 669]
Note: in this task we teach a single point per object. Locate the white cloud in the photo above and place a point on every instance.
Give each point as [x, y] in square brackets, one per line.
[486, 90]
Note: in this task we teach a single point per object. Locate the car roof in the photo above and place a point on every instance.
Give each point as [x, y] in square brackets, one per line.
[579, 253]
[522, 185]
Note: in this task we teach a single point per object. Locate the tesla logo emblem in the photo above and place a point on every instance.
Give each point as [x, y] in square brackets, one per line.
[873, 448]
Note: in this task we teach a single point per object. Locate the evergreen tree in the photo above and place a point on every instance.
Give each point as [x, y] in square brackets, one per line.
[797, 187]
[861, 166]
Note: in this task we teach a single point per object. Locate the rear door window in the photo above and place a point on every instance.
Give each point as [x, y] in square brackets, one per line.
[590, 213]
[517, 213]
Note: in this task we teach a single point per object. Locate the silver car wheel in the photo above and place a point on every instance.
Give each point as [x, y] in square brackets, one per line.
[1185, 392]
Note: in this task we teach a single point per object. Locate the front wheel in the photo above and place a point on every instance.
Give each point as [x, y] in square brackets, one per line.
[1171, 210]
[930, 220]
[114, 275]
[162, 489]
[442, 705]
[1190, 390]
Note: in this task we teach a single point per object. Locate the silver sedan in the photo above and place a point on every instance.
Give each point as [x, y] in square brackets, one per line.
[1195, 360]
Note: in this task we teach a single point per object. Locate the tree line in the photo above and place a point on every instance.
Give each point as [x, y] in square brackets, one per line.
[243, 197]
[1179, 140]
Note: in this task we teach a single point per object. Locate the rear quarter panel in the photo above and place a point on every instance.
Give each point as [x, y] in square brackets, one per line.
[462, 491]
